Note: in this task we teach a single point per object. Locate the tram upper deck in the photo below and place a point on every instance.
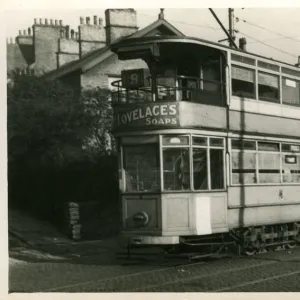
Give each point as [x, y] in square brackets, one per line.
[191, 83]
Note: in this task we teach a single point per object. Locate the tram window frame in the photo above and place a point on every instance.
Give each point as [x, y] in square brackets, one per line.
[180, 182]
[279, 150]
[241, 92]
[140, 142]
[286, 98]
[209, 148]
[203, 143]
[245, 150]
[261, 94]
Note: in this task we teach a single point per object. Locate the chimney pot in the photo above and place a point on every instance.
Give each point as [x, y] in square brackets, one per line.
[72, 33]
[29, 31]
[100, 21]
[20, 32]
[56, 22]
[60, 22]
[67, 31]
[95, 20]
[46, 21]
[41, 21]
[242, 44]
[51, 21]
[81, 20]
[88, 20]
[24, 32]
[35, 20]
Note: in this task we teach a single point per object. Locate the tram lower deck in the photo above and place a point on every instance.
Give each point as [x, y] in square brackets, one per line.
[177, 185]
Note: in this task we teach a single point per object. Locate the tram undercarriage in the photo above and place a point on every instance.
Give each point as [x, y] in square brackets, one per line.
[243, 241]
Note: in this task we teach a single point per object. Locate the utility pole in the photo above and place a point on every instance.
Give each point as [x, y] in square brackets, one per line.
[230, 39]
[231, 25]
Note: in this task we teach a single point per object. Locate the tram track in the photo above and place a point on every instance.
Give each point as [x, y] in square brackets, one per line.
[217, 275]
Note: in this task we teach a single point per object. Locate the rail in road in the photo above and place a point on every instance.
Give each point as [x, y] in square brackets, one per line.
[273, 271]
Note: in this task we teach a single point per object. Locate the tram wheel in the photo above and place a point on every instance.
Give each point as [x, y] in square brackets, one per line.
[291, 245]
[250, 252]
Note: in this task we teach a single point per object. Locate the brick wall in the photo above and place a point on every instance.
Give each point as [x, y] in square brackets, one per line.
[68, 50]
[119, 22]
[15, 58]
[91, 35]
[45, 38]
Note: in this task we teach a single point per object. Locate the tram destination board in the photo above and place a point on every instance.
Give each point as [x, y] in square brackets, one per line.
[150, 115]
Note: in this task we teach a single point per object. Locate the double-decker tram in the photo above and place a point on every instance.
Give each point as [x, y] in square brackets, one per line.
[209, 145]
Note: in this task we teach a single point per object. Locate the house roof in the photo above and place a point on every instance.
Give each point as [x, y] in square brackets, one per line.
[96, 57]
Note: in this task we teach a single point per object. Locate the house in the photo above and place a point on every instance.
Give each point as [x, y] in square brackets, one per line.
[81, 59]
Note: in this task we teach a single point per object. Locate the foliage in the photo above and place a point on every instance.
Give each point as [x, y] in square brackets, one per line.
[48, 124]
[58, 144]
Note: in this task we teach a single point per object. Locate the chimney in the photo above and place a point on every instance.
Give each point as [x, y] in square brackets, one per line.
[242, 44]
[119, 23]
[88, 20]
[95, 20]
[81, 20]
[72, 34]
[67, 31]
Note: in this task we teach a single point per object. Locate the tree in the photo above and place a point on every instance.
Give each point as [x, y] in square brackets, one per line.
[48, 124]
[57, 142]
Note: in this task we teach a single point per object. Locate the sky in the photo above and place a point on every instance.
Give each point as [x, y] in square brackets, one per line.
[270, 31]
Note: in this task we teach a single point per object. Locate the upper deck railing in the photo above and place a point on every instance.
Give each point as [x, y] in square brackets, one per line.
[181, 88]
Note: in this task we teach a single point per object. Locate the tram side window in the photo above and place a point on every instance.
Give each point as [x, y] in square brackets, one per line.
[243, 162]
[268, 162]
[268, 87]
[141, 164]
[290, 91]
[291, 163]
[243, 82]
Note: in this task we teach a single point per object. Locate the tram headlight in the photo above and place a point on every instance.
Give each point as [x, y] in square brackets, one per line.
[141, 218]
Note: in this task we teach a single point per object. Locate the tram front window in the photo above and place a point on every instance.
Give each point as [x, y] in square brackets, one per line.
[141, 166]
[176, 169]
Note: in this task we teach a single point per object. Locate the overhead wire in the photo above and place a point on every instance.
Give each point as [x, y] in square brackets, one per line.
[261, 42]
[215, 29]
[267, 29]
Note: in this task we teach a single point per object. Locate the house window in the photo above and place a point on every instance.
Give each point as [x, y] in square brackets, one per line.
[268, 87]
[290, 91]
[243, 82]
